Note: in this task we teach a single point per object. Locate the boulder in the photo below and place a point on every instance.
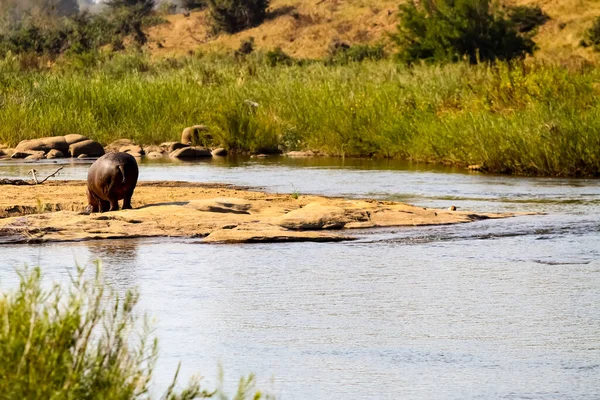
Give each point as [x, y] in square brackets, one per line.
[55, 154]
[74, 138]
[82, 156]
[191, 152]
[125, 146]
[43, 144]
[89, 147]
[321, 216]
[35, 157]
[170, 147]
[196, 134]
[25, 154]
[219, 152]
[154, 154]
[300, 154]
[153, 148]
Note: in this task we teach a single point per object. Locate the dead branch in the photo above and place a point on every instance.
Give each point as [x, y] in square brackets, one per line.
[50, 176]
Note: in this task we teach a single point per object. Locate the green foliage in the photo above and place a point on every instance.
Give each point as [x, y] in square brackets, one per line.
[342, 53]
[450, 30]
[527, 18]
[231, 16]
[193, 4]
[592, 36]
[509, 117]
[75, 343]
[278, 57]
[141, 7]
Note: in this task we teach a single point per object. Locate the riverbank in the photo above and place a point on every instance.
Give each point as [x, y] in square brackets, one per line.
[213, 213]
[518, 119]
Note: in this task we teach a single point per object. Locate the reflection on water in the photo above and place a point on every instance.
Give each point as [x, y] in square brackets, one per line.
[494, 309]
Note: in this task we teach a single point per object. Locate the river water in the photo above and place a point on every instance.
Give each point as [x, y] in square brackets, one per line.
[494, 309]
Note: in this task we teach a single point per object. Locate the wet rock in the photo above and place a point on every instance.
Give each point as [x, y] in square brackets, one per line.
[125, 146]
[170, 147]
[89, 147]
[83, 156]
[452, 208]
[222, 205]
[259, 156]
[35, 157]
[25, 154]
[154, 154]
[219, 152]
[190, 152]
[55, 154]
[475, 167]
[197, 134]
[300, 154]
[74, 138]
[43, 144]
[153, 149]
[315, 216]
[270, 234]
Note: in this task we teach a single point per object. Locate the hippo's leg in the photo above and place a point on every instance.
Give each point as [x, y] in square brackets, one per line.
[104, 206]
[127, 200]
[93, 203]
[114, 204]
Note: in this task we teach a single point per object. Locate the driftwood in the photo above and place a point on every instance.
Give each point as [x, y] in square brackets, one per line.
[6, 181]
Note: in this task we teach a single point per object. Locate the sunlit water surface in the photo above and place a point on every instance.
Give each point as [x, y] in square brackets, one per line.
[493, 309]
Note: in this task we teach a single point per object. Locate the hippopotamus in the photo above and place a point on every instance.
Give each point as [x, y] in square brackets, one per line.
[111, 178]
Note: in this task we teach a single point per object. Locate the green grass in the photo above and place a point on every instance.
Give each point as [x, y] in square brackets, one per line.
[81, 342]
[512, 118]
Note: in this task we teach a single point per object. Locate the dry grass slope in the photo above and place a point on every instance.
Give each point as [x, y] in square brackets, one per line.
[305, 28]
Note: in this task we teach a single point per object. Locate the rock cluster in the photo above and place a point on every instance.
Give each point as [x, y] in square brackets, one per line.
[76, 146]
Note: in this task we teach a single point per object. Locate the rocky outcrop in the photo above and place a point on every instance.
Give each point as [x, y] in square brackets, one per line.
[300, 154]
[43, 144]
[191, 152]
[58, 146]
[215, 214]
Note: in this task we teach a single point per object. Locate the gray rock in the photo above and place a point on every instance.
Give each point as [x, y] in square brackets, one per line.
[74, 138]
[191, 152]
[154, 154]
[82, 156]
[55, 154]
[43, 144]
[195, 135]
[153, 149]
[25, 154]
[219, 152]
[89, 147]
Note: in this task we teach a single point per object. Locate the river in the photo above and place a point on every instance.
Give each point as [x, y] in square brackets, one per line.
[494, 309]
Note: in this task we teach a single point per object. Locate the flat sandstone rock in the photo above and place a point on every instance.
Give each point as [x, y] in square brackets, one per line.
[215, 213]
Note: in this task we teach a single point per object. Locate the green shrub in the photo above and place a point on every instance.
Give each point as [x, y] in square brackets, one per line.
[82, 342]
[592, 36]
[192, 4]
[232, 16]
[278, 57]
[450, 30]
[342, 53]
[527, 18]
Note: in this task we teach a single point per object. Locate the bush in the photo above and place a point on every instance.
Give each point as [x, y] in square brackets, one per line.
[278, 57]
[233, 16]
[192, 4]
[592, 36]
[342, 53]
[449, 30]
[527, 18]
[81, 343]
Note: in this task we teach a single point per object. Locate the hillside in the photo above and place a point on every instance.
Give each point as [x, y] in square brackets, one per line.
[305, 28]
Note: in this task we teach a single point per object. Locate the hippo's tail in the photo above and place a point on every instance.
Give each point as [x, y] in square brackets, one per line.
[122, 172]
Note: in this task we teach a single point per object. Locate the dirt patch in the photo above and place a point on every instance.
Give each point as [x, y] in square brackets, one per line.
[216, 213]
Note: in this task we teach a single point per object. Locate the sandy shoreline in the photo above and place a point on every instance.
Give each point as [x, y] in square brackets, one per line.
[52, 212]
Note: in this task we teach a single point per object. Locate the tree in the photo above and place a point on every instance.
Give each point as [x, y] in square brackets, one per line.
[449, 30]
[143, 7]
[232, 16]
